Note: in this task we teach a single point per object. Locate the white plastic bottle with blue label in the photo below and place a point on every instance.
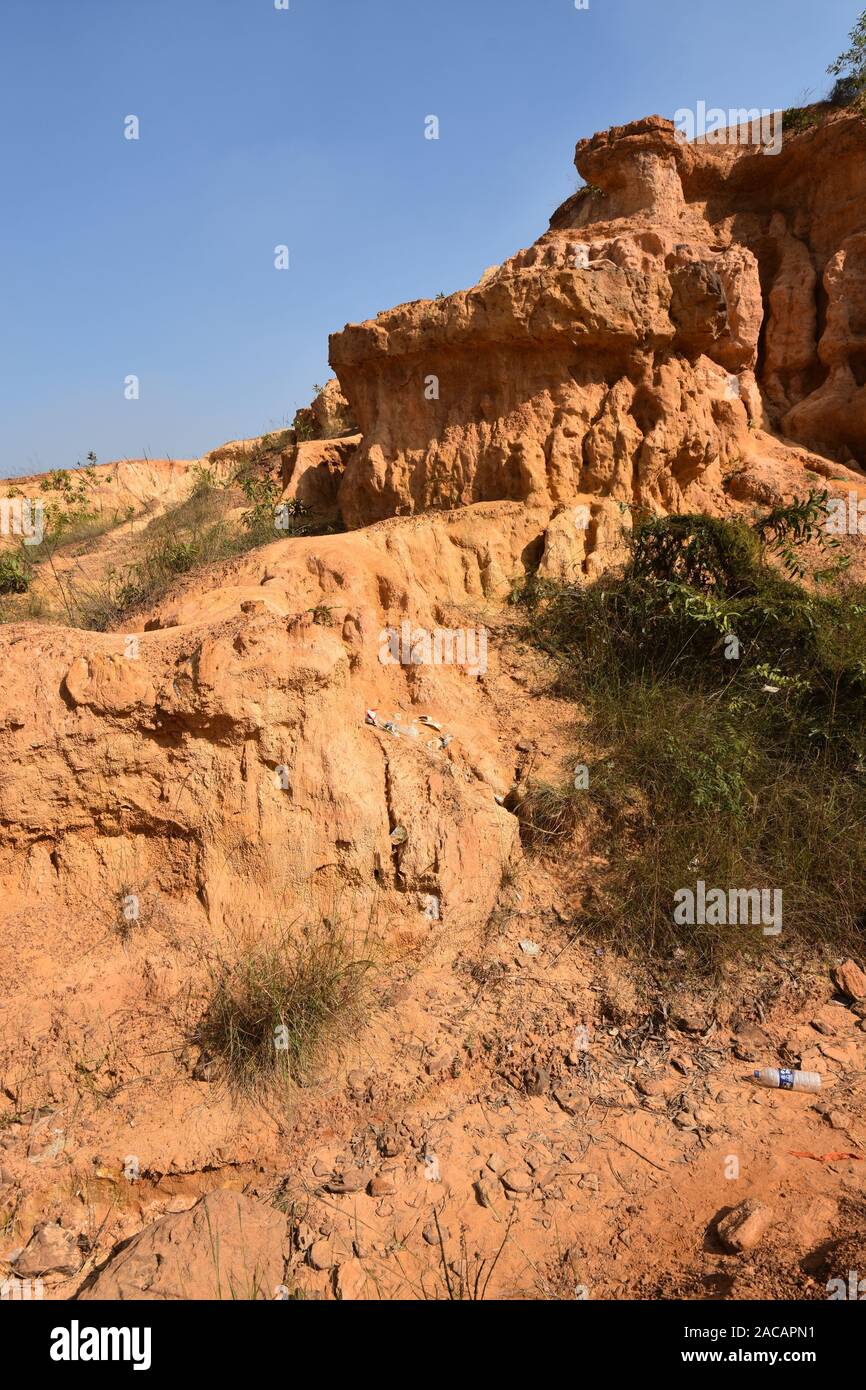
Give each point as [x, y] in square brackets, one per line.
[782, 1078]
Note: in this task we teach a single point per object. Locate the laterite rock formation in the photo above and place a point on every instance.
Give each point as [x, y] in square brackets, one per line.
[688, 335]
[689, 298]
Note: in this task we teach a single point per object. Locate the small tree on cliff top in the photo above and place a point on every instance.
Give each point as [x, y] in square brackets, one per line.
[851, 65]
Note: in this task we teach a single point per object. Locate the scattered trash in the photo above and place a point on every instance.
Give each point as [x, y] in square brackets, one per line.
[529, 948]
[827, 1158]
[399, 835]
[782, 1078]
[407, 730]
[431, 1168]
[438, 744]
[393, 726]
[430, 906]
[390, 726]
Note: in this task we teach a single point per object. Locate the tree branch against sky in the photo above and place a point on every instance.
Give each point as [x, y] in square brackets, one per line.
[852, 63]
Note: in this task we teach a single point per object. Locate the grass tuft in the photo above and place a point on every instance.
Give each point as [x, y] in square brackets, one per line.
[279, 1004]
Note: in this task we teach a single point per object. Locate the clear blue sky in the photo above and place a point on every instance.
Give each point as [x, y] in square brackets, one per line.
[304, 127]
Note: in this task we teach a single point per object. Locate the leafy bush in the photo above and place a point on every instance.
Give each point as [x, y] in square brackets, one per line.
[73, 508]
[14, 573]
[787, 529]
[727, 703]
[699, 551]
[851, 64]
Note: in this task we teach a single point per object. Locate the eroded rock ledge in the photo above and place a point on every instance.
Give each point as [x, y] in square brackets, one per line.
[688, 298]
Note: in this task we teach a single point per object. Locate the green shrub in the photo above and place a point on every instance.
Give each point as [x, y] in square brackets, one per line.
[14, 573]
[72, 509]
[700, 551]
[851, 65]
[796, 119]
[304, 424]
[728, 705]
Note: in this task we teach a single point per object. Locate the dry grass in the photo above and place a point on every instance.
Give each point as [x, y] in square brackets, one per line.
[275, 1008]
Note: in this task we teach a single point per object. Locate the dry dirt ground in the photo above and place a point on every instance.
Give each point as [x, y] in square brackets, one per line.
[521, 1116]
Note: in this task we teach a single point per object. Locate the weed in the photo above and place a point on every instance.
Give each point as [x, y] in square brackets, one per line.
[468, 1278]
[275, 1007]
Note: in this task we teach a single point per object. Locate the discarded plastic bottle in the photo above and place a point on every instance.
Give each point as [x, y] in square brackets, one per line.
[786, 1080]
[407, 730]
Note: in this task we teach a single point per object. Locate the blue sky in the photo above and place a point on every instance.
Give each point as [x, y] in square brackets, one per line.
[304, 127]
